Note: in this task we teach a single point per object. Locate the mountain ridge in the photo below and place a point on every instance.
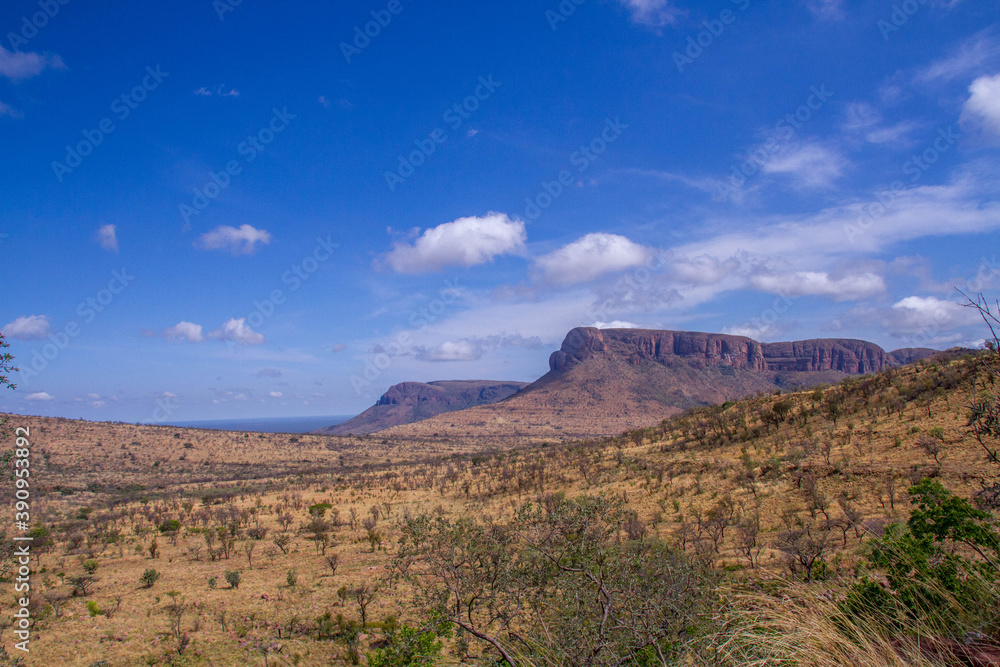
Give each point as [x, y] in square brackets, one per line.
[605, 381]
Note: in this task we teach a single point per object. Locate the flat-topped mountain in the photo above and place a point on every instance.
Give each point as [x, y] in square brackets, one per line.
[605, 381]
[410, 402]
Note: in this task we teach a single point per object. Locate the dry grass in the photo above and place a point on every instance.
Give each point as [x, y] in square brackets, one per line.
[673, 476]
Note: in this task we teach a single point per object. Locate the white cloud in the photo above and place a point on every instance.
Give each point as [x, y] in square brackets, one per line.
[470, 349]
[590, 257]
[463, 242]
[654, 13]
[817, 283]
[22, 65]
[108, 238]
[920, 312]
[181, 331]
[922, 320]
[617, 324]
[40, 396]
[8, 110]
[238, 331]
[94, 397]
[29, 327]
[269, 373]
[217, 91]
[761, 332]
[864, 123]
[809, 164]
[980, 50]
[242, 241]
[275, 394]
[826, 9]
[983, 104]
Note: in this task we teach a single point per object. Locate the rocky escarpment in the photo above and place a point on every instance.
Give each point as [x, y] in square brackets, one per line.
[410, 402]
[637, 345]
[707, 349]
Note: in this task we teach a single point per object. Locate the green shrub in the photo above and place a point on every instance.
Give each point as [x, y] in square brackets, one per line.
[149, 577]
[90, 566]
[233, 578]
[405, 646]
[93, 608]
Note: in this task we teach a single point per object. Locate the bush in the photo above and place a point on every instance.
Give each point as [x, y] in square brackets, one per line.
[170, 526]
[213, 582]
[233, 578]
[405, 646]
[93, 608]
[930, 582]
[149, 577]
[90, 566]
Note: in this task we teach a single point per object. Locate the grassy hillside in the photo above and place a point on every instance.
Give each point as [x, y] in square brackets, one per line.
[753, 500]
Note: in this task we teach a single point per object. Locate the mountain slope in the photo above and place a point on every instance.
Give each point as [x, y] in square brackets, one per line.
[603, 382]
[410, 402]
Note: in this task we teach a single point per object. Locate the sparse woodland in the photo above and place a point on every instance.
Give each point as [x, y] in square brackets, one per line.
[848, 524]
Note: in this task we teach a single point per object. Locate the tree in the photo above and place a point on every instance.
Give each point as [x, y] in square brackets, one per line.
[233, 578]
[6, 368]
[149, 577]
[556, 582]
[6, 365]
[363, 595]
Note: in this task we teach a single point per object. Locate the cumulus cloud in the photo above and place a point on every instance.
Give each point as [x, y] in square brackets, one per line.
[242, 241]
[237, 331]
[759, 332]
[22, 65]
[463, 242]
[818, 283]
[108, 238]
[473, 348]
[40, 396]
[617, 324]
[590, 257]
[275, 394]
[922, 320]
[983, 105]
[654, 13]
[184, 331]
[29, 327]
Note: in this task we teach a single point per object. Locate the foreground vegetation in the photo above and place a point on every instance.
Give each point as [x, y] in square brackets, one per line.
[852, 524]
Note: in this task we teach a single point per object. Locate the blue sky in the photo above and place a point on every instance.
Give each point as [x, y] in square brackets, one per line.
[215, 210]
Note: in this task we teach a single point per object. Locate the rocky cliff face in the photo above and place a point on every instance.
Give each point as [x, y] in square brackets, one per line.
[827, 354]
[410, 402]
[638, 345]
[705, 349]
